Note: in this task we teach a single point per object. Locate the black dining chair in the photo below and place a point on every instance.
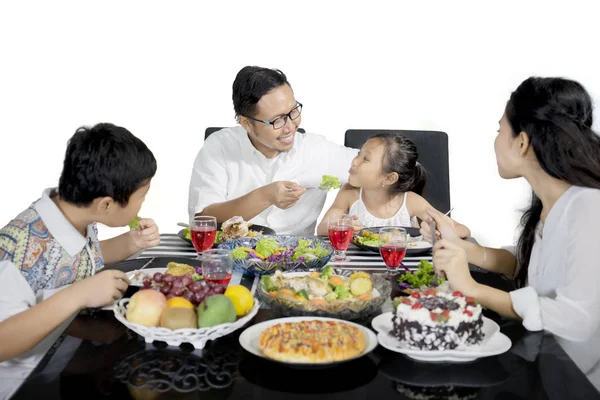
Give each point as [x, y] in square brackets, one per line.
[209, 131]
[433, 155]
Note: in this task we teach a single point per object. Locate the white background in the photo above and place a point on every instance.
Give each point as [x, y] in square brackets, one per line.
[164, 70]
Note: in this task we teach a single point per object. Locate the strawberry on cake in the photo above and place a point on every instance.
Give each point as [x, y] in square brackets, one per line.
[437, 320]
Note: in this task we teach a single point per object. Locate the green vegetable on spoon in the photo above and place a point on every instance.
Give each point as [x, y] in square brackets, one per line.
[329, 182]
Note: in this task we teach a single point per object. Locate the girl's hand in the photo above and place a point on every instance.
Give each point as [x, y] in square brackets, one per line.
[356, 225]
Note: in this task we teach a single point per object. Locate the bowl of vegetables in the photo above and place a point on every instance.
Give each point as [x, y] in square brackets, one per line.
[329, 293]
[269, 253]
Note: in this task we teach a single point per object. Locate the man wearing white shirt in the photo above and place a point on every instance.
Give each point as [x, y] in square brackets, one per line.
[263, 170]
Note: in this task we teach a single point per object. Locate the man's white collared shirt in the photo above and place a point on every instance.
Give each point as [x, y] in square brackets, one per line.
[228, 166]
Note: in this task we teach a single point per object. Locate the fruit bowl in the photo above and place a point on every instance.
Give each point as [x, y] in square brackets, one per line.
[196, 337]
[259, 267]
[345, 310]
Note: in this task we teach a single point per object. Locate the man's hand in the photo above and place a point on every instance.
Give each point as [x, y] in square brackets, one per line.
[284, 194]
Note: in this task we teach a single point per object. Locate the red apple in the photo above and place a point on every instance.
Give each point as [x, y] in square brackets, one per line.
[145, 307]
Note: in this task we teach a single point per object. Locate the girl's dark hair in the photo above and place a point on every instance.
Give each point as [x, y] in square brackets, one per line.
[401, 157]
[556, 115]
[104, 160]
[252, 83]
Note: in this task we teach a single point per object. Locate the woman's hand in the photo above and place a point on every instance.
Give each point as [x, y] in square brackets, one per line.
[445, 227]
[451, 260]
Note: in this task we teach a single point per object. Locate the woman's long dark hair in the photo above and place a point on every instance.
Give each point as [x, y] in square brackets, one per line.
[556, 115]
[401, 157]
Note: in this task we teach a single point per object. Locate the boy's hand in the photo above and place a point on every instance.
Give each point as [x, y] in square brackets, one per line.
[101, 289]
[146, 235]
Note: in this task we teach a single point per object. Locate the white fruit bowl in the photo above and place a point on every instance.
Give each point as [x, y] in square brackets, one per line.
[196, 337]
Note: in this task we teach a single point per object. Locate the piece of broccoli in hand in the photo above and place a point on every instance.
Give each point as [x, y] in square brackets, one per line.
[342, 292]
[329, 182]
[269, 283]
[135, 224]
[327, 272]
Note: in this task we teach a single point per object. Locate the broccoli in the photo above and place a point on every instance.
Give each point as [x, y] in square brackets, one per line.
[268, 284]
[342, 292]
[135, 224]
[266, 247]
[329, 182]
[327, 272]
[186, 233]
[331, 296]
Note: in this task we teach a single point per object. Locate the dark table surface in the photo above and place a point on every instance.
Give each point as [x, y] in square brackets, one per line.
[112, 362]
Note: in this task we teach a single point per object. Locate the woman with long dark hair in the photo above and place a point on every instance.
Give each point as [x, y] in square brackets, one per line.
[546, 137]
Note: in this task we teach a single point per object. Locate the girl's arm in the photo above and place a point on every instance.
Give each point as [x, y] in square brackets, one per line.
[341, 205]
[418, 206]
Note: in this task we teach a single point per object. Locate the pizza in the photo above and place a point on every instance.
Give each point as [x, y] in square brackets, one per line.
[312, 341]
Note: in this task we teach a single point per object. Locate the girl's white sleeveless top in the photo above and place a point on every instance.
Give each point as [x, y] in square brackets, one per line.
[401, 218]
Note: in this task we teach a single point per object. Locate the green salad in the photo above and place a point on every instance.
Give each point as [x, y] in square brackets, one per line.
[268, 249]
[418, 278]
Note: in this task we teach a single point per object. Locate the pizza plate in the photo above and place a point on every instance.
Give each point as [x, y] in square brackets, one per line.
[249, 339]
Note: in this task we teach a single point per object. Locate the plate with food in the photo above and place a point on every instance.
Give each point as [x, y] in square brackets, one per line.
[148, 276]
[233, 228]
[440, 326]
[368, 239]
[329, 293]
[308, 341]
[269, 253]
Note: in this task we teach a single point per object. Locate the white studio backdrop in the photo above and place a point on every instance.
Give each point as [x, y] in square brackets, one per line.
[164, 70]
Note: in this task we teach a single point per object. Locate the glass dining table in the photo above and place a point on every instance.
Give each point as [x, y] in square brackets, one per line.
[99, 358]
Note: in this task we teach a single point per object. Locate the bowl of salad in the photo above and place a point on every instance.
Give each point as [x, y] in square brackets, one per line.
[342, 294]
[269, 253]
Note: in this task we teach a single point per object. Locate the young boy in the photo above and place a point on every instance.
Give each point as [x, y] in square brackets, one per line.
[49, 254]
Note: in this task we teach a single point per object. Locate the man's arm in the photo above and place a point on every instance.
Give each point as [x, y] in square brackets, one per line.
[280, 194]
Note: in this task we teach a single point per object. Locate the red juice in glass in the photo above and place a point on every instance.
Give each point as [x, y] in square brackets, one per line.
[340, 236]
[392, 255]
[203, 237]
[219, 278]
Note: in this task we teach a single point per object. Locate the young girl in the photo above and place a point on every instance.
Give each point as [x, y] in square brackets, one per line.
[384, 187]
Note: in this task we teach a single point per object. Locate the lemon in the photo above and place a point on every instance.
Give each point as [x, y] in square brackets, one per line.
[179, 302]
[242, 299]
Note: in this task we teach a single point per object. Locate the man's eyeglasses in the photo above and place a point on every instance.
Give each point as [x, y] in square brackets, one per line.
[280, 121]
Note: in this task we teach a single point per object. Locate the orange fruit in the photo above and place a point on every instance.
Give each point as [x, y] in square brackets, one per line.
[179, 302]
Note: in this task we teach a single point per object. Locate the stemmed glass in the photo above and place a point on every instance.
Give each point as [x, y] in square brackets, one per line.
[392, 246]
[340, 229]
[217, 266]
[203, 231]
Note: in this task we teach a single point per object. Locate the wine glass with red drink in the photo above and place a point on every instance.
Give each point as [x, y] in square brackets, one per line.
[340, 229]
[217, 266]
[392, 246]
[203, 231]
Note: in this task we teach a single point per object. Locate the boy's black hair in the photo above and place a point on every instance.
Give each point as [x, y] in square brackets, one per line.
[104, 160]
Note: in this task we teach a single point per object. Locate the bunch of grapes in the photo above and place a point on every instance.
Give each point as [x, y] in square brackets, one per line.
[182, 286]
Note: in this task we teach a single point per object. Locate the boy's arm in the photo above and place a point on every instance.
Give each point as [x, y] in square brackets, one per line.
[26, 324]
